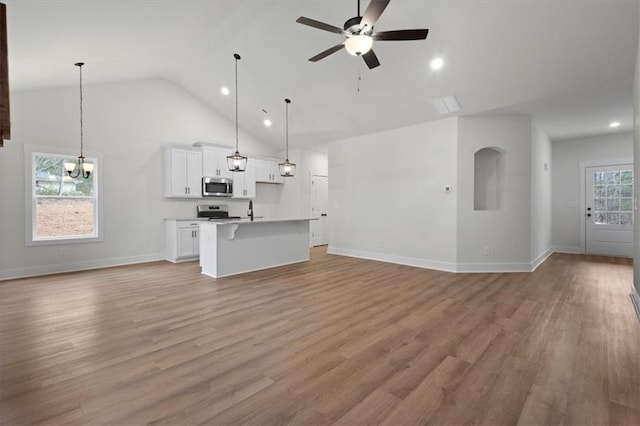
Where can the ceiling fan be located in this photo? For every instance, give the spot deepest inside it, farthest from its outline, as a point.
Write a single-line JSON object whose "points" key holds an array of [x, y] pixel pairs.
{"points": [[360, 35]]}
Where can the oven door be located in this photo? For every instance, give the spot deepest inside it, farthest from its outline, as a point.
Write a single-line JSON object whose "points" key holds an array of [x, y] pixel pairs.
{"points": [[217, 187]]}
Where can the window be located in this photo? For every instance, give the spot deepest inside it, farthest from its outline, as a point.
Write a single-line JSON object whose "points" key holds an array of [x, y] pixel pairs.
{"points": [[613, 197], [63, 209]]}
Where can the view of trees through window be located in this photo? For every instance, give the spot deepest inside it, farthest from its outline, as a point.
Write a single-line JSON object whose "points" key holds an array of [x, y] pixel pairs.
{"points": [[63, 206]]}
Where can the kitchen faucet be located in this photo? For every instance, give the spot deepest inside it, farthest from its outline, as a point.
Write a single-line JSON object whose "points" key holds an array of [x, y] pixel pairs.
{"points": [[250, 211]]}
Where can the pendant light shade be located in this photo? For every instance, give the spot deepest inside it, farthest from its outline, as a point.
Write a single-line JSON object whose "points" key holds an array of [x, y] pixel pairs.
{"points": [[235, 161], [287, 169], [79, 168]]}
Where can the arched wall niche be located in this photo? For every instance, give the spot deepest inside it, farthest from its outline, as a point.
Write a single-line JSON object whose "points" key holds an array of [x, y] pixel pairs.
{"points": [[487, 183]]}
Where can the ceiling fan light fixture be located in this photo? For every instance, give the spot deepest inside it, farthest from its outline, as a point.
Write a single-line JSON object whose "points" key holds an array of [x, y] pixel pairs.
{"points": [[358, 44]]}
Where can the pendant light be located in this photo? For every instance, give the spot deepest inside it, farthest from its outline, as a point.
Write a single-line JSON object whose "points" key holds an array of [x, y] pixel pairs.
{"points": [[237, 162], [287, 169], [81, 168]]}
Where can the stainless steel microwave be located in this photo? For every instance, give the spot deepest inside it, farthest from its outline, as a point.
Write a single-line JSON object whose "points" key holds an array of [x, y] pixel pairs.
{"points": [[217, 187]]}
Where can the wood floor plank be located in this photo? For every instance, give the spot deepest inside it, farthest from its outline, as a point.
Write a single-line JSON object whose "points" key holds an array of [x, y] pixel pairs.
{"points": [[334, 340]]}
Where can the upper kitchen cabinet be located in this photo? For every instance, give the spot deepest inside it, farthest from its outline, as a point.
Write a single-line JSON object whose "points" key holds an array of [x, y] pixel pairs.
{"points": [[214, 161], [183, 172], [244, 183], [267, 171]]}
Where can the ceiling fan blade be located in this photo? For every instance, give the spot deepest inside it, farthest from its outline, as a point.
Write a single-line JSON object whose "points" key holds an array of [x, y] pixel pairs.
{"points": [[320, 25], [327, 52], [373, 12], [371, 59], [418, 34]]}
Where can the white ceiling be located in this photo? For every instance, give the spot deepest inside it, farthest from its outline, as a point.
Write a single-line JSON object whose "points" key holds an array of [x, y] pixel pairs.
{"points": [[568, 63]]}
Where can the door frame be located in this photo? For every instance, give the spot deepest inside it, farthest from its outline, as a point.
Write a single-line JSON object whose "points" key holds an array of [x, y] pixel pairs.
{"points": [[583, 191]]}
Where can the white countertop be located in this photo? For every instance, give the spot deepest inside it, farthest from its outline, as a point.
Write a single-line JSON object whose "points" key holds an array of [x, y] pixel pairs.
{"points": [[257, 220]]}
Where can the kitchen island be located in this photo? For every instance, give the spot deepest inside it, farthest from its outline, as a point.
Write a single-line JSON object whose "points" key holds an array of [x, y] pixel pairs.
{"points": [[230, 247]]}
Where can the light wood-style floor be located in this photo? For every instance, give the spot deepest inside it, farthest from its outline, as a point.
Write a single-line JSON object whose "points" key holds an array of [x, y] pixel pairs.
{"points": [[332, 341]]}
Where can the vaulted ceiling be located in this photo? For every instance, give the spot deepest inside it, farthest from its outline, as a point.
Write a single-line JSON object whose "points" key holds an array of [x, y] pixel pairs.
{"points": [[568, 63]]}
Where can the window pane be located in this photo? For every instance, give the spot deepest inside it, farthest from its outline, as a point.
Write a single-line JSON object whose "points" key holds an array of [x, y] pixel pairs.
{"points": [[600, 204], [601, 217], [52, 179], [598, 178], [626, 191], [626, 176], [626, 218], [613, 204], [59, 216], [613, 191], [626, 204], [612, 177], [600, 191], [613, 218], [64, 207]]}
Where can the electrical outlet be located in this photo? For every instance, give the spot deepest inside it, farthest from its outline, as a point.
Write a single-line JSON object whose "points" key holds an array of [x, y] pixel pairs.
{"points": [[486, 251]]}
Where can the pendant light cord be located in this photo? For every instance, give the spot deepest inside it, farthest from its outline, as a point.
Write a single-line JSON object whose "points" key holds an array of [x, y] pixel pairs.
{"points": [[81, 118], [235, 55], [287, 126]]}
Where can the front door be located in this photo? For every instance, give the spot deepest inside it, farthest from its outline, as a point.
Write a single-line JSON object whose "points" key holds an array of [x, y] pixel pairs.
{"points": [[319, 207], [609, 210]]}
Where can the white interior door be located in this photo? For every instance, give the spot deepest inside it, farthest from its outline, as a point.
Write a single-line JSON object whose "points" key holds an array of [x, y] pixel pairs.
{"points": [[319, 207], [609, 210]]}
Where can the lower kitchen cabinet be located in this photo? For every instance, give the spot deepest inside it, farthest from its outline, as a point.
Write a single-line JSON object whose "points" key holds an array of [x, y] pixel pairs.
{"points": [[182, 240]]}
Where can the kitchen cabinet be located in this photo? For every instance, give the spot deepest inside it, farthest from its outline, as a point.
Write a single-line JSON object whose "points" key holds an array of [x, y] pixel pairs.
{"points": [[214, 161], [183, 172], [268, 171], [182, 240], [244, 183]]}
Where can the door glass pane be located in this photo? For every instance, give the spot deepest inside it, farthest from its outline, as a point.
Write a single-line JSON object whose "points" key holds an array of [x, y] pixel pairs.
{"points": [[626, 218], [613, 218], [600, 191], [612, 177], [613, 197]]}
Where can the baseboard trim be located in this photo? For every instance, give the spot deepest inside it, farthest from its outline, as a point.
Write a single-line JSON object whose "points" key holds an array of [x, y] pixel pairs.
{"points": [[34, 271], [540, 259], [493, 268], [444, 266], [635, 299], [401, 260], [566, 249]]}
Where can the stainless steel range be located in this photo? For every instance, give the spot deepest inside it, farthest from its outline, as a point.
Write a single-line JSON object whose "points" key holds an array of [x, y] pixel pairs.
{"points": [[215, 212]]}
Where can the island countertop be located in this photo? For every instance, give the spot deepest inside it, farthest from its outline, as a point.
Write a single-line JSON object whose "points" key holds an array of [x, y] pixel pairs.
{"points": [[256, 220]]}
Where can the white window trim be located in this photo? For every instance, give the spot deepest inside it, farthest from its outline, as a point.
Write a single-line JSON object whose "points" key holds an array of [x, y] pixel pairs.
{"points": [[29, 184]]}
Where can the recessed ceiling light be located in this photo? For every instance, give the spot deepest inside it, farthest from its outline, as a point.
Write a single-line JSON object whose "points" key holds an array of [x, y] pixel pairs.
{"points": [[224, 90], [267, 122], [437, 64], [614, 124]]}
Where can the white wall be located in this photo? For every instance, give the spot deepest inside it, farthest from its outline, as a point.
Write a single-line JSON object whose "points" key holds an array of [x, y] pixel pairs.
{"points": [[566, 158], [129, 123], [506, 232], [540, 194], [295, 200], [387, 199]]}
